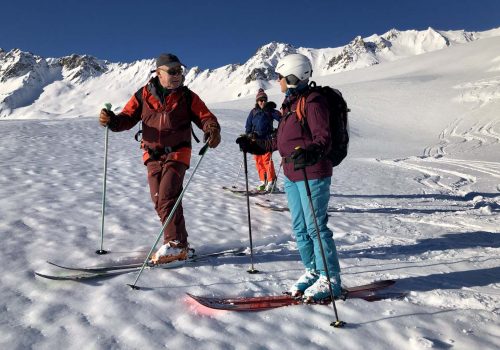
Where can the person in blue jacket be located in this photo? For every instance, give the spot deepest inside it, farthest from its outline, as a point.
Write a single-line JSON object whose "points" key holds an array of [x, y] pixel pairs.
{"points": [[259, 126]]}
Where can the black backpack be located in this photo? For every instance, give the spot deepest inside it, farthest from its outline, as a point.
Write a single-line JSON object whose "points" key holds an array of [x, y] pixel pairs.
{"points": [[339, 127]]}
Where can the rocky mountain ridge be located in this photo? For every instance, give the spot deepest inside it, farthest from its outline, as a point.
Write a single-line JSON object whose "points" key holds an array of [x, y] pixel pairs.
{"points": [[28, 81]]}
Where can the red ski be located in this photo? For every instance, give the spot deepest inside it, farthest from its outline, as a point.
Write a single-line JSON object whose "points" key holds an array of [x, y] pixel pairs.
{"points": [[369, 292]]}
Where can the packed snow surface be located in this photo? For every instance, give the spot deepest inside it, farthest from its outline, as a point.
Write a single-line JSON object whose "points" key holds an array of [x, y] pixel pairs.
{"points": [[416, 200]]}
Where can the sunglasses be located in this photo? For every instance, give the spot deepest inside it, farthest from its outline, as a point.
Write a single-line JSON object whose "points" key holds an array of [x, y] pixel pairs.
{"points": [[262, 100], [172, 71]]}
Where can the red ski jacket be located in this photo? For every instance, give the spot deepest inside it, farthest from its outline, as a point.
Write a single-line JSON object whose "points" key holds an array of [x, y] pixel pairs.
{"points": [[166, 119]]}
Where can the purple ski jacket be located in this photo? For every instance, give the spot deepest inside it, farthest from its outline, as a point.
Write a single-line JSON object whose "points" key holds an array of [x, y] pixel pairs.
{"points": [[292, 134]]}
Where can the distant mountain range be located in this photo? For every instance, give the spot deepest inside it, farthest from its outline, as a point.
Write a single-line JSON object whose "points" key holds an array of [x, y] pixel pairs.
{"points": [[32, 86]]}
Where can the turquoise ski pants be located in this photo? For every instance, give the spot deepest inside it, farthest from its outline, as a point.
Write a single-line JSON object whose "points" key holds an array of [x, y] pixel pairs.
{"points": [[304, 228]]}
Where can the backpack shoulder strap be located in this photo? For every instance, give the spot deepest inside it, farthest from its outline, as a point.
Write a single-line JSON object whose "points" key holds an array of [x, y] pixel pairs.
{"points": [[138, 97], [301, 109], [301, 105], [188, 96]]}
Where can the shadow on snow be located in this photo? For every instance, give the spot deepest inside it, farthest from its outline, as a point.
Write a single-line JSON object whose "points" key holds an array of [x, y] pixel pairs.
{"points": [[448, 241]]}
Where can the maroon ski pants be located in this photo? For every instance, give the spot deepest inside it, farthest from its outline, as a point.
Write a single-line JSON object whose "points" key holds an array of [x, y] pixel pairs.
{"points": [[165, 184]]}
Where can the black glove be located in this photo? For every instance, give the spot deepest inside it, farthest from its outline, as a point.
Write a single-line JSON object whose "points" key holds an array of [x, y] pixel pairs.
{"points": [[250, 145], [269, 106], [305, 157], [244, 141]]}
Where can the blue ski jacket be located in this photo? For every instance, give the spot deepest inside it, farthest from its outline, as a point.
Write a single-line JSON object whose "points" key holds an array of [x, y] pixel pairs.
{"points": [[260, 122]]}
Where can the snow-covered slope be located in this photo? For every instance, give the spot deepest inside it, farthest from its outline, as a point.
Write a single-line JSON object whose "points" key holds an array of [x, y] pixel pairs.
{"points": [[34, 87]]}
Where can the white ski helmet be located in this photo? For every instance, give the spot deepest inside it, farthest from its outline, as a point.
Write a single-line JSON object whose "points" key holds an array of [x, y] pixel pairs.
{"points": [[296, 65]]}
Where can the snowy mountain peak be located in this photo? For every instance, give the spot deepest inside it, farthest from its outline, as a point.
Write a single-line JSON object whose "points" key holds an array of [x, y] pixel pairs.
{"points": [[391, 34], [274, 50], [16, 63], [357, 42], [394, 45], [79, 68], [24, 76], [260, 67], [358, 50]]}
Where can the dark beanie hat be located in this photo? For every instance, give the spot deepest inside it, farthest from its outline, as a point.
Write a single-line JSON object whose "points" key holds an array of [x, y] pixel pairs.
{"points": [[168, 59], [261, 95]]}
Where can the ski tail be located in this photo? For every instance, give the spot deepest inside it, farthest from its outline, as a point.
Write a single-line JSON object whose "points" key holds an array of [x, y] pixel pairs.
{"points": [[370, 286]]}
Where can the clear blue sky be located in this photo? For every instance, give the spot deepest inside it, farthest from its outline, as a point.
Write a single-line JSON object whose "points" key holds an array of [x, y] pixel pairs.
{"points": [[213, 33]]}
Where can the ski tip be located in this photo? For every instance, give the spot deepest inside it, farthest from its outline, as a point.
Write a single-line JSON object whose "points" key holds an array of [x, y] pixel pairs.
{"points": [[49, 277], [192, 296], [51, 263], [39, 274], [196, 297], [199, 300]]}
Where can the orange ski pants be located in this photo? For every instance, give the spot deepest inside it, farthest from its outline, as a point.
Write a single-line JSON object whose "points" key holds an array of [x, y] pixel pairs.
{"points": [[265, 166]]}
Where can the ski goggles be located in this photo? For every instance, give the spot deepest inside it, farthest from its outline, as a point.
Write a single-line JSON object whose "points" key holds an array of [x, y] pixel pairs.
{"points": [[173, 71]]}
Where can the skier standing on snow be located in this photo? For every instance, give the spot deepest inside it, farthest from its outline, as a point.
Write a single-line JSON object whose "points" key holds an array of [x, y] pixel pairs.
{"points": [[314, 141], [166, 109], [259, 125]]}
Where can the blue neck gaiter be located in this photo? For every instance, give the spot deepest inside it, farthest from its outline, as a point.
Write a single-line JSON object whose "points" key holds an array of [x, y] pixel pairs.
{"points": [[297, 90]]}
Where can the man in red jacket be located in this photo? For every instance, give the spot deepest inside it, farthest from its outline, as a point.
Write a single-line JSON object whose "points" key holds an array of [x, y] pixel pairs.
{"points": [[166, 109]]}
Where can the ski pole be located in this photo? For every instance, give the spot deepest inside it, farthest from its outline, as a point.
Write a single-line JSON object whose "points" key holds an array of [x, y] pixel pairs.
{"points": [[337, 323], [274, 184], [101, 251], [237, 177], [170, 216], [252, 269]]}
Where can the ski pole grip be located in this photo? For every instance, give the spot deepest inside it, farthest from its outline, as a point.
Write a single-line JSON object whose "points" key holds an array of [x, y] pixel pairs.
{"points": [[107, 106], [203, 150]]}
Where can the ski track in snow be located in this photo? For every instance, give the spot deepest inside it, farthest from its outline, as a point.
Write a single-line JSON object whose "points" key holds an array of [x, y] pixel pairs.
{"points": [[471, 131]]}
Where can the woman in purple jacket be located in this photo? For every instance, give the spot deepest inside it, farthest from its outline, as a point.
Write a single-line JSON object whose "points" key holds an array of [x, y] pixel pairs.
{"points": [[303, 147]]}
